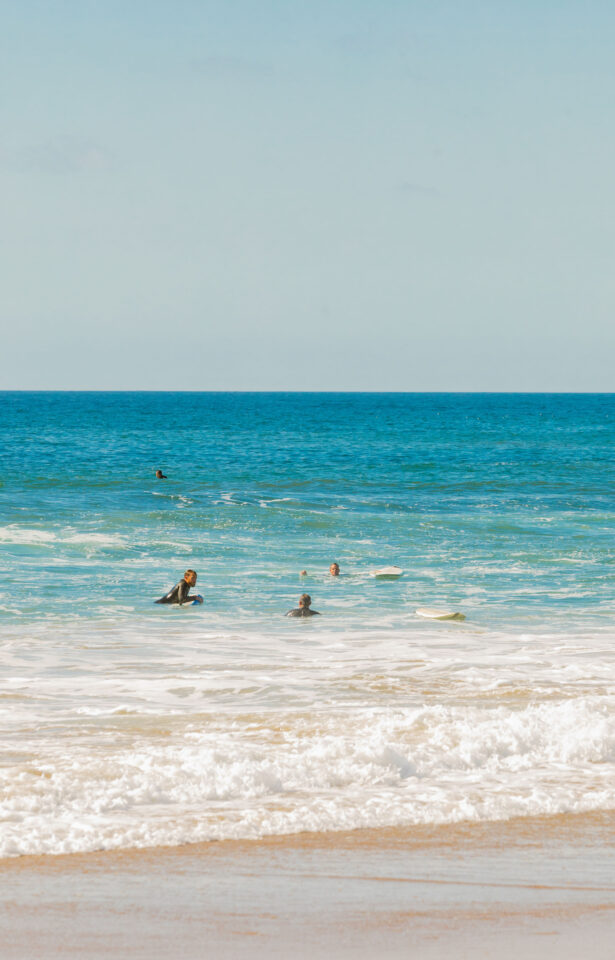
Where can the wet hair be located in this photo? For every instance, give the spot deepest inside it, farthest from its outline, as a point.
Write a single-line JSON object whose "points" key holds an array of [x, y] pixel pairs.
{"points": [[305, 599], [189, 573]]}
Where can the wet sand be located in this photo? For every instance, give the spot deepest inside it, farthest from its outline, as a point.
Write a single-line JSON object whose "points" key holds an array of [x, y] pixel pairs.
{"points": [[537, 887]]}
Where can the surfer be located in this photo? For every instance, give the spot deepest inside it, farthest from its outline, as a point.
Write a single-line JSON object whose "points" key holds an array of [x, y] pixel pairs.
{"points": [[334, 569], [303, 610], [180, 593], [160, 475]]}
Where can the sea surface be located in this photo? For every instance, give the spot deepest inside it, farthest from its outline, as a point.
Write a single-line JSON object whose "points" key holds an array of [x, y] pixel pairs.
{"points": [[128, 724]]}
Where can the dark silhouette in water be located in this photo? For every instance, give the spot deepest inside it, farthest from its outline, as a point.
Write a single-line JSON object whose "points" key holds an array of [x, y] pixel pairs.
{"points": [[180, 593], [303, 610]]}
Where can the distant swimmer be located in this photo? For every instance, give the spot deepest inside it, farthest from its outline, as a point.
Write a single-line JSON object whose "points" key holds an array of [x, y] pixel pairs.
{"points": [[181, 591], [334, 569], [303, 610], [303, 573], [160, 475]]}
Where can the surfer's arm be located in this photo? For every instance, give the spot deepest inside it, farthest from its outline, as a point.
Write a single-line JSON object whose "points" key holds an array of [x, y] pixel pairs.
{"points": [[183, 595]]}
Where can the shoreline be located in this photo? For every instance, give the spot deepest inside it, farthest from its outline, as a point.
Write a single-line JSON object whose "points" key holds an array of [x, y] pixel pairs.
{"points": [[541, 885], [589, 825]]}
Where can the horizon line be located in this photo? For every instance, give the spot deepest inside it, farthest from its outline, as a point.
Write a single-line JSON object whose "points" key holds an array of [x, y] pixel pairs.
{"points": [[314, 391]]}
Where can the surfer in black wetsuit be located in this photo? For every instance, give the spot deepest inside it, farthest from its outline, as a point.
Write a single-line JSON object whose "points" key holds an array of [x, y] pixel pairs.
{"points": [[181, 591], [303, 610]]}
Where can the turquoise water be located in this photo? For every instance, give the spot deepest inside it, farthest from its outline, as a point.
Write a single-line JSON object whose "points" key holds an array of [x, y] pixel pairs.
{"points": [[499, 504], [127, 723]]}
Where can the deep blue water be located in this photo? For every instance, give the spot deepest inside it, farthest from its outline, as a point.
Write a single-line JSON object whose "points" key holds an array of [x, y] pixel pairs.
{"points": [[500, 505]]}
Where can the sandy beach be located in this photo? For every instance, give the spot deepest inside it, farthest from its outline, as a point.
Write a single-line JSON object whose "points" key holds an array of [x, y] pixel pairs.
{"points": [[543, 886]]}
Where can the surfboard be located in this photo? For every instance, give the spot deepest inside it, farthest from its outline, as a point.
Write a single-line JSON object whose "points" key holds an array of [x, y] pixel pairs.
{"points": [[387, 573], [440, 614]]}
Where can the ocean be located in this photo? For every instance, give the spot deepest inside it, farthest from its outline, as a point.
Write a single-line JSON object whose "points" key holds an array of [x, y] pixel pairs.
{"points": [[129, 724]]}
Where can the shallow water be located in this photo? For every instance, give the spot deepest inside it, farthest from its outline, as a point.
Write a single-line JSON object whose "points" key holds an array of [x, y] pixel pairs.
{"points": [[130, 724]]}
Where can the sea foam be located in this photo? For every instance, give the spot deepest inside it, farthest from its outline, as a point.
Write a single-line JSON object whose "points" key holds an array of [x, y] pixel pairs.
{"points": [[321, 771]]}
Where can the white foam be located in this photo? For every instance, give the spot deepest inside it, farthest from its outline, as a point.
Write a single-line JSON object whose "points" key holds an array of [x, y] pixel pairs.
{"points": [[14, 533], [96, 539], [324, 770], [168, 727], [17, 534]]}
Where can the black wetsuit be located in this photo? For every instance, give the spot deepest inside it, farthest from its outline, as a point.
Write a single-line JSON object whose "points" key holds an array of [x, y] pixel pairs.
{"points": [[179, 594], [303, 612]]}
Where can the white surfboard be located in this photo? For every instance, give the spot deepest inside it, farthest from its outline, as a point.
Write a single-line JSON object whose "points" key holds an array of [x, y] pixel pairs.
{"points": [[430, 614], [387, 572]]}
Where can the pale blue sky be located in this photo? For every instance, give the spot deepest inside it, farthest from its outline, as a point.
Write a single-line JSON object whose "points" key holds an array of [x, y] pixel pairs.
{"points": [[329, 195]]}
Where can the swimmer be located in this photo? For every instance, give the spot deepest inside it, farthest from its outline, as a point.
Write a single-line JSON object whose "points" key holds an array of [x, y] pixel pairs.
{"points": [[181, 591], [160, 475], [334, 569], [303, 573], [303, 610]]}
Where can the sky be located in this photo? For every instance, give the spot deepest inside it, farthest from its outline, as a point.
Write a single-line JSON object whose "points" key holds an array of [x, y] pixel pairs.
{"points": [[337, 195]]}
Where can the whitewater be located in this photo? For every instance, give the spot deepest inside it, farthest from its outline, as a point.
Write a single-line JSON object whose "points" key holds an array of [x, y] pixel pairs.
{"points": [[125, 724]]}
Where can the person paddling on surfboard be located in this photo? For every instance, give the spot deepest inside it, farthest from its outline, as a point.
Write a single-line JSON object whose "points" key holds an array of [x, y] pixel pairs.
{"points": [[303, 610], [180, 593]]}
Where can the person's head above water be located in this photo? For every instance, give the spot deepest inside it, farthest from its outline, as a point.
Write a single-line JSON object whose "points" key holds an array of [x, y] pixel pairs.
{"points": [[334, 569], [160, 475], [180, 593], [304, 608]]}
